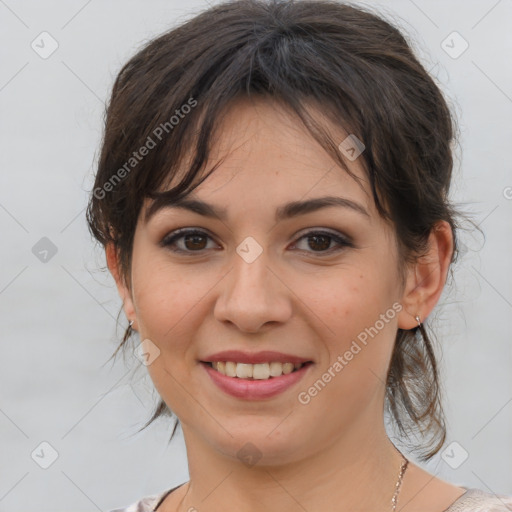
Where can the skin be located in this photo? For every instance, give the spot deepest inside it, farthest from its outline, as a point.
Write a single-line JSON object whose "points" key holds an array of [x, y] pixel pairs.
{"points": [[296, 297]]}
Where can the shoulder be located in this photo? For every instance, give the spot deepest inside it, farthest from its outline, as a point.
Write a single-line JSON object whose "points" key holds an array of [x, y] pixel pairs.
{"points": [[145, 504], [476, 500]]}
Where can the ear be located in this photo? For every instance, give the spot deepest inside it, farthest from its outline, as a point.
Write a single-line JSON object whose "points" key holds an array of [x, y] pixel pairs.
{"points": [[124, 291], [426, 278]]}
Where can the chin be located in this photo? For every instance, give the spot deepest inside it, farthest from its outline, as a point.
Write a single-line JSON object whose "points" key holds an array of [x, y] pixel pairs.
{"points": [[254, 446]]}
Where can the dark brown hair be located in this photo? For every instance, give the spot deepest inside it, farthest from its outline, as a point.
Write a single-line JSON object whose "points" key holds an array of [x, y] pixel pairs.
{"points": [[354, 67]]}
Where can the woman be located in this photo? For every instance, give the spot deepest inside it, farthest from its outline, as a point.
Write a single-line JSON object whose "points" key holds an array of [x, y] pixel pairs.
{"points": [[272, 196]]}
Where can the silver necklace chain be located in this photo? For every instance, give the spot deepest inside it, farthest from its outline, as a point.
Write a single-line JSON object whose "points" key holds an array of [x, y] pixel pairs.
{"points": [[399, 483]]}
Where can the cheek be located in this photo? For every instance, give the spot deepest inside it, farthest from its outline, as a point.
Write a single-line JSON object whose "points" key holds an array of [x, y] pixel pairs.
{"points": [[357, 323], [349, 302], [358, 346], [169, 309], [165, 298]]}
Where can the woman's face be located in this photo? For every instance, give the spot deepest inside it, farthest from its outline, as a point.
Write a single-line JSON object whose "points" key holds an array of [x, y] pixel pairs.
{"points": [[260, 280]]}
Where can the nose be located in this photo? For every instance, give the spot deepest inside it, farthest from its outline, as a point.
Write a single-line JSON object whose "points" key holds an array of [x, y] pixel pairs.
{"points": [[252, 295]]}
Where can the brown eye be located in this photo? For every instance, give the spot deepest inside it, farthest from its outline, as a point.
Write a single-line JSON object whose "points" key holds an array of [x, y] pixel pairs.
{"points": [[320, 242], [192, 240]]}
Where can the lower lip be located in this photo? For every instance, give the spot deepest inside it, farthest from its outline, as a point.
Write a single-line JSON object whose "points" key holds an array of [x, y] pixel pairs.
{"points": [[255, 389]]}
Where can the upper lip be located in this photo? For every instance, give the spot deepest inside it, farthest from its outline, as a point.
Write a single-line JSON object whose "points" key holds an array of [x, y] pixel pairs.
{"points": [[266, 356]]}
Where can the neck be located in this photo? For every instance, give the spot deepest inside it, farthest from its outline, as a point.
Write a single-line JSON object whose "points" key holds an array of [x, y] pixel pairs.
{"points": [[357, 470]]}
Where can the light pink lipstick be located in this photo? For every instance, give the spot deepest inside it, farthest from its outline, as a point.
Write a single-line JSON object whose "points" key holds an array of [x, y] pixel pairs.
{"points": [[255, 389]]}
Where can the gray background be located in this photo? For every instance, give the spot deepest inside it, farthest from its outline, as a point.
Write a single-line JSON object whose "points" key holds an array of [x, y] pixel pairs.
{"points": [[58, 317]]}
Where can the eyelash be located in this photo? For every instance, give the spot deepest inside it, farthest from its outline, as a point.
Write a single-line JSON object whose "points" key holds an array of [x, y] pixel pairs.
{"points": [[171, 238]]}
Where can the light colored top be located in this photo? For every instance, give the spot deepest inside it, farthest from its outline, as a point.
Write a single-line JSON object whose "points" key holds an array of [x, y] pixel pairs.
{"points": [[473, 500]]}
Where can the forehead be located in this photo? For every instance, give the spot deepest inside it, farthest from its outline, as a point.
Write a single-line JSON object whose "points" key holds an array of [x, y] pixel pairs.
{"points": [[267, 134], [265, 157]]}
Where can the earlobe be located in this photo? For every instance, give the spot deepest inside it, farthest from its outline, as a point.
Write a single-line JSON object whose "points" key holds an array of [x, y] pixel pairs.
{"points": [[426, 278], [112, 258]]}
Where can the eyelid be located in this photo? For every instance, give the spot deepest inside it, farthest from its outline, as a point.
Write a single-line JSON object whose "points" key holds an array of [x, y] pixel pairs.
{"points": [[341, 239], [180, 232], [323, 231]]}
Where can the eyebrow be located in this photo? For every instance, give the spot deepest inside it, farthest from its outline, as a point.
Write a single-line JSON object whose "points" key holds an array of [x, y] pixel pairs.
{"points": [[287, 211]]}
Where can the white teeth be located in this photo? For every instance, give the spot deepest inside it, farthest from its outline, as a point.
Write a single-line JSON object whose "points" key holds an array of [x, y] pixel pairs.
{"points": [[243, 371], [288, 368], [230, 369], [261, 371], [275, 369]]}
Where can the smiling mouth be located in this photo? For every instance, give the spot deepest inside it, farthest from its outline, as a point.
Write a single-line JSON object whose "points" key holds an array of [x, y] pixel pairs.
{"points": [[261, 371]]}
